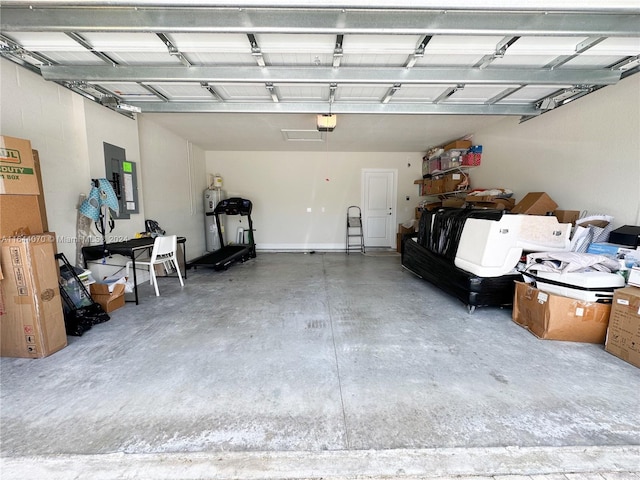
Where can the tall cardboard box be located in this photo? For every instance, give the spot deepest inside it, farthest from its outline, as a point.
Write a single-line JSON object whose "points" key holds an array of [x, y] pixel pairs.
{"points": [[31, 316], [623, 334], [22, 207], [17, 168], [20, 215], [554, 317]]}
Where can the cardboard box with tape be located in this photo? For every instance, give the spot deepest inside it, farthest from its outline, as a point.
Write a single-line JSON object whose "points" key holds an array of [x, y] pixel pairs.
{"points": [[554, 317], [31, 316], [110, 299], [23, 214]]}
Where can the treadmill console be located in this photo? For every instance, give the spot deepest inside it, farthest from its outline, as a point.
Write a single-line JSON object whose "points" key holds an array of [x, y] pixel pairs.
{"points": [[234, 206]]}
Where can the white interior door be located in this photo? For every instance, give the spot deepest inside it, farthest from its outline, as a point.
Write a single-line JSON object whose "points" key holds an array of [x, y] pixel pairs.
{"points": [[379, 207]]}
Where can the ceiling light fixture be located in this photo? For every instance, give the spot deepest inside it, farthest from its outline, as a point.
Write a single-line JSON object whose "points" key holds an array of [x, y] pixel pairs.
{"points": [[326, 122]]}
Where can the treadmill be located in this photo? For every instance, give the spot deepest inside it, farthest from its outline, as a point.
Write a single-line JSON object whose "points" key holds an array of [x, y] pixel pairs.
{"points": [[227, 255]]}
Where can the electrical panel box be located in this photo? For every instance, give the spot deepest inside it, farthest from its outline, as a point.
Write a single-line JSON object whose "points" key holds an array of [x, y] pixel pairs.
{"points": [[122, 175]]}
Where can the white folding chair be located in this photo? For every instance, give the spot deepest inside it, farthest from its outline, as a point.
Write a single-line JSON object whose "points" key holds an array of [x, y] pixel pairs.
{"points": [[163, 253]]}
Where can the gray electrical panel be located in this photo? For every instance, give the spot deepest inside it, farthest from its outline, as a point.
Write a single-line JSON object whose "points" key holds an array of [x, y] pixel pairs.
{"points": [[122, 175]]}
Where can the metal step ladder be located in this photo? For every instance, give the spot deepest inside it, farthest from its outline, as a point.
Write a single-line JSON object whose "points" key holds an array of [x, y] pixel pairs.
{"points": [[354, 230]]}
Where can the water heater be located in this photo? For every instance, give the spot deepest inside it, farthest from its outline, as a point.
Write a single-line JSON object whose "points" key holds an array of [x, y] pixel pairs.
{"points": [[212, 197]]}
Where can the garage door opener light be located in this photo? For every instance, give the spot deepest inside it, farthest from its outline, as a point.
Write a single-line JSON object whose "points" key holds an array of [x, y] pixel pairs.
{"points": [[326, 122]]}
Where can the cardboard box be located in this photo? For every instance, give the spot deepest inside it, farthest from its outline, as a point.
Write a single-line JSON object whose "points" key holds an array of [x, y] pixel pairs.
{"points": [[31, 316], [20, 215], [434, 186], [497, 204], [438, 185], [451, 182], [491, 201], [458, 145], [432, 206], [554, 317], [623, 334], [480, 198], [24, 214], [567, 216], [402, 230], [17, 169], [453, 202], [535, 203], [109, 301]]}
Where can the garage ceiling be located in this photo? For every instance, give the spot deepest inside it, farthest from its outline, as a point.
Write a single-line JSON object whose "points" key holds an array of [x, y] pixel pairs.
{"points": [[302, 59]]}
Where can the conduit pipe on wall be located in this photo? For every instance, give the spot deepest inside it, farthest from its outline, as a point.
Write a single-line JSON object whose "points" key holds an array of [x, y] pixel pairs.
{"points": [[192, 209]]}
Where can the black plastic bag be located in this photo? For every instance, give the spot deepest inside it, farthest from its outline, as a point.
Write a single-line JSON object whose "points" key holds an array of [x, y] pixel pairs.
{"points": [[79, 320]]}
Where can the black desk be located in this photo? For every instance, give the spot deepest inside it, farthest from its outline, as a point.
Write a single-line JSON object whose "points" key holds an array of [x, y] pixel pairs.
{"points": [[127, 249]]}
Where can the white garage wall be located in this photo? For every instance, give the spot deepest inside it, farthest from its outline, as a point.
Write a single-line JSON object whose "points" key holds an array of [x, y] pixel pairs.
{"points": [[585, 155], [173, 183], [68, 132], [283, 185]]}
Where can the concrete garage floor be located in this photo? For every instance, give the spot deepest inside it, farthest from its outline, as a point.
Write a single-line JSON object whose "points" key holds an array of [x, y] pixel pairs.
{"points": [[316, 366]]}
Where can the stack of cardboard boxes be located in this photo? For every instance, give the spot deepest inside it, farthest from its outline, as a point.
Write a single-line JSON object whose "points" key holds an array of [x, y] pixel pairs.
{"points": [[31, 316], [556, 317]]}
